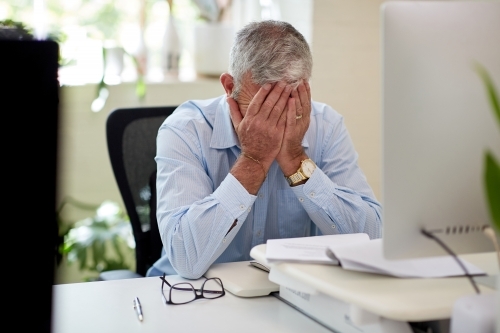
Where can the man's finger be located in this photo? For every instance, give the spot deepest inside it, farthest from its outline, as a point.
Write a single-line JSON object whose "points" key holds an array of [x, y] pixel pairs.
{"points": [[234, 111], [282, 121], [280, 105], [304, 97], [308, 89], [258, 99], [291, 115], [264, 103], [298, 106]]}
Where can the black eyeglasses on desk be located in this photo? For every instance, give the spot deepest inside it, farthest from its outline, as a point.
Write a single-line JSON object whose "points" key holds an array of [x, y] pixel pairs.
{"points": [[184, 292]]}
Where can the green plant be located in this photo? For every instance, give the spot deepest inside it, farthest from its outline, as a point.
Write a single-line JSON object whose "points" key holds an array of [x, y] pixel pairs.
{"points": [[10, 29], [491, 165], [20, 30], [211, 10], [99, 243], [102, 91]]}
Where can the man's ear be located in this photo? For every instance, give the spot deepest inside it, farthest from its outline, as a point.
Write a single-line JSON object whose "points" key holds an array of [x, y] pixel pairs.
{"points": [[227, 82]]}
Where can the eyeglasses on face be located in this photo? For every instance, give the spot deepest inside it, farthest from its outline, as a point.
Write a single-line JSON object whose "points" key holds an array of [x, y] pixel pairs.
{"points": [[184, 292]]}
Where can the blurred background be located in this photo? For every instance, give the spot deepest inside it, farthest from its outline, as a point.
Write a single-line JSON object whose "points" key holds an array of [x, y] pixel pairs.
{"points": [[156, 52]]}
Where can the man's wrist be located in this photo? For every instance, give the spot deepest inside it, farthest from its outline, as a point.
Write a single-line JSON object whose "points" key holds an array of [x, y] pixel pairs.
{"points": [[303, 173], [249, 173], [291, 165]]}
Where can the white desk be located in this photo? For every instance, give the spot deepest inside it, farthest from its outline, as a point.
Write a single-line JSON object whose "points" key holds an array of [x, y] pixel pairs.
{"points": [[389, 297], [106, 306]]}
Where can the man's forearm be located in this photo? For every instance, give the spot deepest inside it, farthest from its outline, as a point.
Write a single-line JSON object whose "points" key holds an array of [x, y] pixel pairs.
{"points": [[291, 164], [195, 235]]}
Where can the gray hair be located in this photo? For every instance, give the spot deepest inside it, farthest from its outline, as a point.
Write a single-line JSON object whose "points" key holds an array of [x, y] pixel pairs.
{"points": [[270, 51]]}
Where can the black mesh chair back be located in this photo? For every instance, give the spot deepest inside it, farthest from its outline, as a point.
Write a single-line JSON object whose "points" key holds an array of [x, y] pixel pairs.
{"points": [[131, 137]]}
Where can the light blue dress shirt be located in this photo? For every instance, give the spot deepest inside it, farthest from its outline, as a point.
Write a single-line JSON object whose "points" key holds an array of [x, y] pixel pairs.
{"points": [[198, 199]]}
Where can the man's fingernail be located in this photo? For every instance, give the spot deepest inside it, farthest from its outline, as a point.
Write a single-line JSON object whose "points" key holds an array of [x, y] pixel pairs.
{"points": [[282, 83], [267, 86]]}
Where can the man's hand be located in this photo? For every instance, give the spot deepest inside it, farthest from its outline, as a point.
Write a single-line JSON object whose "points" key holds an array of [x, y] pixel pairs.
{"points": [[261, 130], [291, 152]]}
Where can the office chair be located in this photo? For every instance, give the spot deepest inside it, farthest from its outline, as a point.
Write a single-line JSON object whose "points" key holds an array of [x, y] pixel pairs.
{"points": [[131, 138]]}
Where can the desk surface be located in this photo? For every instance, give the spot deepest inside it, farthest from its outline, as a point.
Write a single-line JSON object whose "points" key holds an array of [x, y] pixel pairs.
{"points": [[106, 306], [390, 297]]}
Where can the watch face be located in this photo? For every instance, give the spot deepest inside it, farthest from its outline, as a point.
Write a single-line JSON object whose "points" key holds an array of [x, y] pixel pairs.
{"points": [[308, 167]]}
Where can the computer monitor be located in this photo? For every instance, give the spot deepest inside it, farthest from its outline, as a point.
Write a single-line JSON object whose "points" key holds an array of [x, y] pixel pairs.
{"points": [[29, 100], [437, 124]]}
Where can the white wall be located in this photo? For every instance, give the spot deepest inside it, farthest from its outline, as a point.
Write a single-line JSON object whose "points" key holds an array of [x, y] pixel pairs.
{"points": [[86, 173], [347, 73]]}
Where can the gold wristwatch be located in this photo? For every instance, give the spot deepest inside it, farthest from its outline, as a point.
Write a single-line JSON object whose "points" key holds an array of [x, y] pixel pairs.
{"points": [[305, 171]]}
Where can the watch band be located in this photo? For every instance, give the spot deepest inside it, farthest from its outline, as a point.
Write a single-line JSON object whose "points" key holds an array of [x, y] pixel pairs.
{"points": [[295, 178], [306, 168]]}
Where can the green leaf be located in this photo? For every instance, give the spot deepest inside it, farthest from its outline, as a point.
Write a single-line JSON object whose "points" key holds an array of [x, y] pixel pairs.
{"points": [[116, 246], [140, 88], [492, 185], [82, 258], [115, 264], [98, 252], [491, 90]]}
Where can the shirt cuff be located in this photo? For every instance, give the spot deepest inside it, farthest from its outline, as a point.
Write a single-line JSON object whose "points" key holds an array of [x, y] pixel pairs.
{"points": [[317, 193], [234, 197]]}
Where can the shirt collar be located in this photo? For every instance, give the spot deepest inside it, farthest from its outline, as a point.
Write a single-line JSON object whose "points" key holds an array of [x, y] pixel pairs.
{"points": [[224, 135]]}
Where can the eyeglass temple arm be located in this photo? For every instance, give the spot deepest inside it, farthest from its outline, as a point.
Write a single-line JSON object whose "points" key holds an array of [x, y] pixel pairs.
{"points": [[164, 280]]}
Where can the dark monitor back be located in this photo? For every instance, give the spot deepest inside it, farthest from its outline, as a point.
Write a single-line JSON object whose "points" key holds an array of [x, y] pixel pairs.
{"points": [[29, 101]]}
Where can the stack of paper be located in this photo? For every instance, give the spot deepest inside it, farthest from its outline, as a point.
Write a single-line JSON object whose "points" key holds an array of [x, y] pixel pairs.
{"points": [[368, 257], [357, 252], [309, 249]]}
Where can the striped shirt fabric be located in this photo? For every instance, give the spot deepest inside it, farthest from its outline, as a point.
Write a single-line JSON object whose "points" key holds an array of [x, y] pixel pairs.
{"points": [[199, 199]]}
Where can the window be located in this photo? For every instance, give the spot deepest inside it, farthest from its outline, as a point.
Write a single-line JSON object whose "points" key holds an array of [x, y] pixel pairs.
{"points": [[131, 32]]}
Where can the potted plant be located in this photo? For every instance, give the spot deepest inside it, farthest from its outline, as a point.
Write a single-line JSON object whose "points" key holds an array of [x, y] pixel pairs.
{"points": [[472, 308], [213, 38], [100, 242], [491, 164], [491, 175]]}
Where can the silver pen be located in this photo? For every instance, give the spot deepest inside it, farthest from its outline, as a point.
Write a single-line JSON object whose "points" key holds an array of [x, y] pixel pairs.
{"points": [[138, 308]]}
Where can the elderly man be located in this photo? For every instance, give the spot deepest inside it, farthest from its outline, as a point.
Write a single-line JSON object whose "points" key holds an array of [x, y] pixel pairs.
{"points": [[262, 161]]}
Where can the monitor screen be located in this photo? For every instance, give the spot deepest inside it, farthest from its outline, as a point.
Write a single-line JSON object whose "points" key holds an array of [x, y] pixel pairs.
{"points": [[437, 124]]}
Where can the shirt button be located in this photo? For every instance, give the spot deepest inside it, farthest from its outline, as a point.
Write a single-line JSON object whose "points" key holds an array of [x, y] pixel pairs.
{"points": [[261, 195], [224, 240], [258, 233], [242, 207], [301, 199], [312, 194], [333, 226], [249, 209]]}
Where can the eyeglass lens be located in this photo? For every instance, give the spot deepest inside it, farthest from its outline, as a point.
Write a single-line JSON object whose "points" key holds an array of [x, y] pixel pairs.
{"points": [[212, 288], [182, 293]]}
